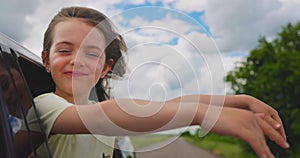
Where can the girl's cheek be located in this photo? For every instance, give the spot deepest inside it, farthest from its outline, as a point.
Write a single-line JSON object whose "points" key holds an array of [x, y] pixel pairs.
{"points": [[97, 64], [56, 64]]}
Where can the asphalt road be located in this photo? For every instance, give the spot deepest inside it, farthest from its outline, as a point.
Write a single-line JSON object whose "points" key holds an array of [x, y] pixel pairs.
{"points": [[177, 148]]}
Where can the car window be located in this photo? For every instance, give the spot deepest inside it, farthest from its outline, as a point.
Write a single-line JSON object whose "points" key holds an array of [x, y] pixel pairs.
{"points": [[15, 103], [6, 138], [36, 76]]}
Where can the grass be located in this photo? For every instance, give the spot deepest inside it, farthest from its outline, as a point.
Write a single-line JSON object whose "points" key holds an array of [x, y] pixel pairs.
{"points": [[226, 147], [145, 140]]}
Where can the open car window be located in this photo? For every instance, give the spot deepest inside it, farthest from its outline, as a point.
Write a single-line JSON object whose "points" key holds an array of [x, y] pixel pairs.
{"points": [[21, 75]]}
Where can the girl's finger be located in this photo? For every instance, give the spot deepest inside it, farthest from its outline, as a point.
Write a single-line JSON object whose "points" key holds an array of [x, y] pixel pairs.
{"points": [[256, 140], [276, 117], [267, 149], [273, 122], [272, 133]]}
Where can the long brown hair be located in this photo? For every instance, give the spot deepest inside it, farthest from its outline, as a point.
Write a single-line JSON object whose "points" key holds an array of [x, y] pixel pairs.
{"points": [[115, 43]]}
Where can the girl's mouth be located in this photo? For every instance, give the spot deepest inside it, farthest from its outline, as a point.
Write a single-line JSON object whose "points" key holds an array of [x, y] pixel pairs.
{"points": [[75, 74]]}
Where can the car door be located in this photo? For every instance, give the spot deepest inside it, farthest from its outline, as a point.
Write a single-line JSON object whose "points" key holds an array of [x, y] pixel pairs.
{"points": [[16, 137]]}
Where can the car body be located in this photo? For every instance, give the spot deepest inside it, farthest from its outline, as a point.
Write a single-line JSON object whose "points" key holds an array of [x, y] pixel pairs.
{"points": [[23, 77]]}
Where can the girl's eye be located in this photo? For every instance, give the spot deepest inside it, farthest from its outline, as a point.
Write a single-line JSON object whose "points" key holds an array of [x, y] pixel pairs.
{"points": [[93, 54], [64, 51]]}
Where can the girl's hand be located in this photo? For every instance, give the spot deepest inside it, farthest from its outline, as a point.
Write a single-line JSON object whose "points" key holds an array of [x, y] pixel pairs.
{"points": [[269, 114], [271, 132], [247, 126]]}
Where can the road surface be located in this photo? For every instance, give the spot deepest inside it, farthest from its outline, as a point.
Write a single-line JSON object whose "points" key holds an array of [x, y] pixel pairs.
{"points": [[177, 148]]}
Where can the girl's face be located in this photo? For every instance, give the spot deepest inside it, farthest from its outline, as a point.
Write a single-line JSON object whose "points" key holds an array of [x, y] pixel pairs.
{"points": [[76, 58]]}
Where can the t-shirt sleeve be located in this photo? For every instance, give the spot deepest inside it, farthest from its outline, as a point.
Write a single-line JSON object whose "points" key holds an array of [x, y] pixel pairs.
{"points": [[48, 106]]}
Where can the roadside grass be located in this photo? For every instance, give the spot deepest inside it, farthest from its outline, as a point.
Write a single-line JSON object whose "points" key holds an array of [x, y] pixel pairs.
{"points": [[224, 146], [145, 140]]}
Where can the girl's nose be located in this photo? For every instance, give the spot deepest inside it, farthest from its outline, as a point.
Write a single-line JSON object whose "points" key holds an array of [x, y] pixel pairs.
{"points": [[77, 60]]}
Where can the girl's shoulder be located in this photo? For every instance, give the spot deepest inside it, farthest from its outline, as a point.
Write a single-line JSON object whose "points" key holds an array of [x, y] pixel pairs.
{"points": [[46, 96], [51, 99]]}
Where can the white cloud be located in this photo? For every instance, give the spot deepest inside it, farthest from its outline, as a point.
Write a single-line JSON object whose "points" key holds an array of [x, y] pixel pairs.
{"points": [[238, 24], [152, 71], [162, 71], [12, 20], [190, 6], [136, 2], [172, 26]]}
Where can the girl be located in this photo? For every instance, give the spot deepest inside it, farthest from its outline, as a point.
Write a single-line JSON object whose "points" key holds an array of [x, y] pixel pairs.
{"points": [[80, 50]]}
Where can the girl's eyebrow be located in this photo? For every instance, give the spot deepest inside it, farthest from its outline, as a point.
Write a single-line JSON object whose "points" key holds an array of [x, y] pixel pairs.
{"points": [[63, 42], [85, 46]]}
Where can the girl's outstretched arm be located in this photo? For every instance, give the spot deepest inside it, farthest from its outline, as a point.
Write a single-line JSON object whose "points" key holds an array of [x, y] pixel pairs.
{"points": [[133, 117], [240, 101], [127, 117]]}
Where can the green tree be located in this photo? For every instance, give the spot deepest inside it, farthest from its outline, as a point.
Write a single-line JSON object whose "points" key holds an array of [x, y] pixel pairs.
{"points": [[271, 73]]}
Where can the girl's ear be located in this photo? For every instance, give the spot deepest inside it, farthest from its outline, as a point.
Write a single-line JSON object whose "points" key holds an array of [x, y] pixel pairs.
{"points": [[107, 67], [45, 57]]}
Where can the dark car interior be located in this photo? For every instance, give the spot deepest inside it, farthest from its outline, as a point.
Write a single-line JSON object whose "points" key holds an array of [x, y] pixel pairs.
{"points": [[22, 77]]}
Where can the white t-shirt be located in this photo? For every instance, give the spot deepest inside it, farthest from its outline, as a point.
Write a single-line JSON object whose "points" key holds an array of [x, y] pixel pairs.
{"points": [[49, 106]]}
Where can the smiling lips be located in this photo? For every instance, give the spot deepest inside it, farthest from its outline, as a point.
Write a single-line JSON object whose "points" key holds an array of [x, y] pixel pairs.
{"points": [[75, 73]]}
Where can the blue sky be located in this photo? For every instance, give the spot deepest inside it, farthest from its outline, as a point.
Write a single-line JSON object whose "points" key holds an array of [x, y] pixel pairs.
{"points": [[196, 15]]}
